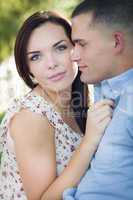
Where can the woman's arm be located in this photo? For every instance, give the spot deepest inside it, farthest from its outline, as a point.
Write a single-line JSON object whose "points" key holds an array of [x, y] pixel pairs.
{"points": [[35, 152]]}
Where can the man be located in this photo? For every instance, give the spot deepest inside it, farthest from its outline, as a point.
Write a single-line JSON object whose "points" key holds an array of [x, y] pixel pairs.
{"points": [[102, 31]]}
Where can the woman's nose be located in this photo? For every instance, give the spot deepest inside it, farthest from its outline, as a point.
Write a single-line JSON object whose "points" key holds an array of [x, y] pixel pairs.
{"points": [[50, 62]]}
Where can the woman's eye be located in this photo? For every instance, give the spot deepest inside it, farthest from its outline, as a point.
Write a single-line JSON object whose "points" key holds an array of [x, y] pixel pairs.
{"points": [[61, 47], [35, 57]]}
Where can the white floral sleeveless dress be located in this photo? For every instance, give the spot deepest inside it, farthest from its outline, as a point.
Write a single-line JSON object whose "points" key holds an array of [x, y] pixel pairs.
{"points": [[66, 141]]}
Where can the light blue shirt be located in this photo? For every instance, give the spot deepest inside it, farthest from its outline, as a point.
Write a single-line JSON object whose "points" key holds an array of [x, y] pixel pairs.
{"points": [[110, 176]]}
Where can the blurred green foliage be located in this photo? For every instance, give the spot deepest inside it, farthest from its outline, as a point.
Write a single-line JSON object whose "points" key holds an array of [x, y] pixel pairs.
{"points": [[13, 12], [1, 116]]}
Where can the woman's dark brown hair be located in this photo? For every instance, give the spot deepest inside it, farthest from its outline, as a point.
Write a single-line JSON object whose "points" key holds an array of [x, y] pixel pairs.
{"points": [[79, 90]]}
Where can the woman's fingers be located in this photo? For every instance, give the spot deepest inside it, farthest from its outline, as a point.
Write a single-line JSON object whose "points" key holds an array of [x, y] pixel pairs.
{"points": [[98, 119], [101, 103], [100, 113]]}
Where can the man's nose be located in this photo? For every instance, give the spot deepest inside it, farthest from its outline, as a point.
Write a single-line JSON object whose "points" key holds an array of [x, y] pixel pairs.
{"points": [[75, 54]]}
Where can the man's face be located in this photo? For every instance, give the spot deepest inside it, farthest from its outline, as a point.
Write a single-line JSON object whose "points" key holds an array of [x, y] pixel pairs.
{"points": [[93, 49]]}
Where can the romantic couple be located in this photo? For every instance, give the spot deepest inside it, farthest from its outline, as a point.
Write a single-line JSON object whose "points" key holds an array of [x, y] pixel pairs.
{"points": [[54, 144]]}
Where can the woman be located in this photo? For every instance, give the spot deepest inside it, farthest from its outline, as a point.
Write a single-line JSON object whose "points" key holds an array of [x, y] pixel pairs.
{"points": [[39, 131]]}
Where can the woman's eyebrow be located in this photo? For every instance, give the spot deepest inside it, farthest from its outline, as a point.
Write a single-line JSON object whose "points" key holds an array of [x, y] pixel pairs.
{"points": [[57, 43], [32, 52]]}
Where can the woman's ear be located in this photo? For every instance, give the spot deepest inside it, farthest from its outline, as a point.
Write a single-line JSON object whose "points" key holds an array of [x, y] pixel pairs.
{"points": [[119, 42]]}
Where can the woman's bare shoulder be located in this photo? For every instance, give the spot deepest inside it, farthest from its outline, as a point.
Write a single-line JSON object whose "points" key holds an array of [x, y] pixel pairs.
{"points": [[28, 121]]}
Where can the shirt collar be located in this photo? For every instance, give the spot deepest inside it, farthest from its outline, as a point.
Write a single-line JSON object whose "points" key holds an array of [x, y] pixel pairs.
{"points": [[112, 88], [120, 82]]}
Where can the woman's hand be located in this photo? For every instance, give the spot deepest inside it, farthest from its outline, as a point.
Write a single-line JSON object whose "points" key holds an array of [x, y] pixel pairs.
{"points": [[98, 118]]}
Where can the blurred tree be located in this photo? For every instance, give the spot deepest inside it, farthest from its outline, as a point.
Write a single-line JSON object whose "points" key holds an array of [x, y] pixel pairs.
{"points": [[1, 116], [13, 12]]}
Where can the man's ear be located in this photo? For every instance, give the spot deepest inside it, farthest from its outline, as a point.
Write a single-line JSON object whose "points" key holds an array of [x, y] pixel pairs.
{"points": [[119, 42]]}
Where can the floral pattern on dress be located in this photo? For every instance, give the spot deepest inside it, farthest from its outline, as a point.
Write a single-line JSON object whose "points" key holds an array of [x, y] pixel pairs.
{"points": [[66, 141]]}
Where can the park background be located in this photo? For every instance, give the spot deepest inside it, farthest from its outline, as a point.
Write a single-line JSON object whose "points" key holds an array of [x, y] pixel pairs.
{"points": [[12, 14]]}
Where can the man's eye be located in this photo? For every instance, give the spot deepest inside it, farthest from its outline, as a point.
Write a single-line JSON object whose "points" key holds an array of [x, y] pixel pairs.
{"points": [[61, 47], [35, 57], [82, 44]]}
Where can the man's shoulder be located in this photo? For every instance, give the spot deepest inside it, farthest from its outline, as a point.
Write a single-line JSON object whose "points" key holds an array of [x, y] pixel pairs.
{"points": [[126, 99]]}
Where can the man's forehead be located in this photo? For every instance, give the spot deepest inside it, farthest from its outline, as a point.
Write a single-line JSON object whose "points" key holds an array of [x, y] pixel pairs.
{"points": [[82, 20], [81, 25], [84, 28], [80, 32]]}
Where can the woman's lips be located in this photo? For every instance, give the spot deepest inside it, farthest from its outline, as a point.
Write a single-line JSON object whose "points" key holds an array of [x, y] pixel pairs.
{"points": [[57, 77]]}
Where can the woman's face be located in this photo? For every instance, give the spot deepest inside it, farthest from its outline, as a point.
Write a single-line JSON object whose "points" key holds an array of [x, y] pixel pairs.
{"points": [[49, 57]]}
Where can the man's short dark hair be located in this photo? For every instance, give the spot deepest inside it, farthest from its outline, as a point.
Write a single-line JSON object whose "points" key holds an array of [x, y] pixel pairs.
{"points": [[110, 12]]}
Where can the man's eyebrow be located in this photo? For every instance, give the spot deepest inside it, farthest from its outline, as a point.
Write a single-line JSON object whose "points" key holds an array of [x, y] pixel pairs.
{"points": [[57, 43], [75, 41]]}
